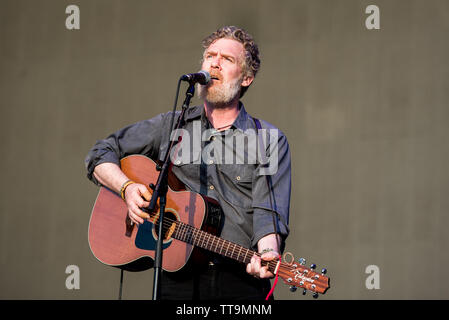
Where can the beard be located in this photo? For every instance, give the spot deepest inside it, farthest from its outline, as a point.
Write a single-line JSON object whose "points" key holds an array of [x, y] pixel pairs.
{"points": [[220, 94]]}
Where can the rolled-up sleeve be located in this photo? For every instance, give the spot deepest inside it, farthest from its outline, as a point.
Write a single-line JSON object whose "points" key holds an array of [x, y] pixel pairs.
{"points": [[143, 137], [271, 195]]}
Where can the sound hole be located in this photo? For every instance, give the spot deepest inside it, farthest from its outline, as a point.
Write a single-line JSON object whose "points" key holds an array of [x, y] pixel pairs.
{"points": [[167, 228]]}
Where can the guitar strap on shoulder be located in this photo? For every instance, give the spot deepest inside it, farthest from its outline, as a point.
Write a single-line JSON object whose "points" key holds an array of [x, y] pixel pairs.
{"points": [[274, 214]]}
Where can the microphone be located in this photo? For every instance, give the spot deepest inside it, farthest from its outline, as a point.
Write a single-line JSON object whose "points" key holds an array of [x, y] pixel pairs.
{"points": [[202, 77]]}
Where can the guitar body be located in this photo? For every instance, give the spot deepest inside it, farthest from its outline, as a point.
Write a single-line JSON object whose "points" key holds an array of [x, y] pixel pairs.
{"points": [[114, 241]]}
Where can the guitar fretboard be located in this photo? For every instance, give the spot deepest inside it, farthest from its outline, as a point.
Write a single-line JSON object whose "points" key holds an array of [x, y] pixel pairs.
{"points": [[202, 239]]}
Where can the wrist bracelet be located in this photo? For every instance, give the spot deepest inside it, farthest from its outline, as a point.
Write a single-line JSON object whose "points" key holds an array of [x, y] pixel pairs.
{"points": [[123, 188], [266, 250]]}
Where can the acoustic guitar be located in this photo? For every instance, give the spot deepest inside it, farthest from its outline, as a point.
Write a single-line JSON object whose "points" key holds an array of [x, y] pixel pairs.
{"points": [[190, 222]]}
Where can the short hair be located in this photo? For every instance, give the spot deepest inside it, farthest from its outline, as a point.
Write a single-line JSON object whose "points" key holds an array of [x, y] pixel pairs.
{"points": [[251, 65]]}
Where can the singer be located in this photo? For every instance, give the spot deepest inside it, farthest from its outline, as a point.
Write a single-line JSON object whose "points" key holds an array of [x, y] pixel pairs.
{"points": [[255, 209]]}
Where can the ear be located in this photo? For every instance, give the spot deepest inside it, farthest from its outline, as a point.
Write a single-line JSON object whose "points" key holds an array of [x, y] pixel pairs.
{"points": [[247, 81]]}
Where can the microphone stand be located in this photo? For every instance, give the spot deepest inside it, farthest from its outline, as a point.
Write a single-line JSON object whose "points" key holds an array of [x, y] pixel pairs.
{"points": [[160, 191]]}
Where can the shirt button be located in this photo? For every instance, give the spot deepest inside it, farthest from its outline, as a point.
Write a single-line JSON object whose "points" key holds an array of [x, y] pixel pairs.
{"points": [[211, 187], [211, 161], [178, 162]]}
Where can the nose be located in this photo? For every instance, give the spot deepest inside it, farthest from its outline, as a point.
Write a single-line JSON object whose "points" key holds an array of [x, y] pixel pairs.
{"points": [[215, 63]]}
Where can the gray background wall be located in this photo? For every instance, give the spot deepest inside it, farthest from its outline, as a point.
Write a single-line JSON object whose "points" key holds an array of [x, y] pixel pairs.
{"points": [[365, 112]]}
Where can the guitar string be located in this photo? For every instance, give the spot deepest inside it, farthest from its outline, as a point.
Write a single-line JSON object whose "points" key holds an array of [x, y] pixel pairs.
{"points": [[190, 237]]}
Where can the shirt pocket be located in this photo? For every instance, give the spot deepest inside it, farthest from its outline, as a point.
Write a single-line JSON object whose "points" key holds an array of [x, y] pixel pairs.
{"points": [[236, 183], [187, 157]]}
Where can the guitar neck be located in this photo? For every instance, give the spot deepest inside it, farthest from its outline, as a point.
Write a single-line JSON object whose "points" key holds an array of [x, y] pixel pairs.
{"points": [[199, 238]]}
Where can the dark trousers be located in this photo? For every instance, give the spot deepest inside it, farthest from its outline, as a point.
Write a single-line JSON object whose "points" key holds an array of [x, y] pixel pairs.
{"points": [[213, 282]]}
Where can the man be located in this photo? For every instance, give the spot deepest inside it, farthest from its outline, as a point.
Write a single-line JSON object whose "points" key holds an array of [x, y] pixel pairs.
{"points": [[248, 199]]}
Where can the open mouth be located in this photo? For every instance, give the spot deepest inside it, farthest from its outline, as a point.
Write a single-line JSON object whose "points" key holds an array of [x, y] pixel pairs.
{"points": [[214, 77]]}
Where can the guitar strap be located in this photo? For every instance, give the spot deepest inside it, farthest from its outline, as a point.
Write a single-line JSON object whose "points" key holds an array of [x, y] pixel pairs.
{"points": [[274, 214]]}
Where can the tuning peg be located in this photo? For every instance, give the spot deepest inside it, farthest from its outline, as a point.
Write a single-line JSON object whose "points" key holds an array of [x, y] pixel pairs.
{"points": [[315, 295], [313, 266], [293, 288], [304, 292], [302, 261], [323, 271]]}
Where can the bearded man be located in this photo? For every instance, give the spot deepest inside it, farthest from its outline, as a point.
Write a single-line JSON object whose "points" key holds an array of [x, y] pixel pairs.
{"points": [[231, 57]]}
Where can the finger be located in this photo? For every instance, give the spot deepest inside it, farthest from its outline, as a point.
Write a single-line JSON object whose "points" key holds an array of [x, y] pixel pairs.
{"points": [[255, 265], [250, 266], [141, 203], [144, 204], [248, 269], [264, 273], [135, 218], [137, 214], [143, 215], [136, 209], [147, 195], [143, 192]]}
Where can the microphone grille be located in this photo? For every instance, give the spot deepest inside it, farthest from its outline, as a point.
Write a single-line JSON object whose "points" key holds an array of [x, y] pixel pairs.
{"points": [[206, 77]]}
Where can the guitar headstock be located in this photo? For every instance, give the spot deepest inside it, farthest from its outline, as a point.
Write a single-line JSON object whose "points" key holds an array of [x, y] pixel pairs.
{"points": [[296, 275]]}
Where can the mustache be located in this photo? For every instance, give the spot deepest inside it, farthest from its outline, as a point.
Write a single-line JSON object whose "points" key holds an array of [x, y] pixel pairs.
{"points": [[216, 75]]}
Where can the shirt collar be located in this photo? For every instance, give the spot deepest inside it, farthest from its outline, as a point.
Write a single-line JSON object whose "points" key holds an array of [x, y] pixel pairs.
{"points": [[239, 123], [193, 112]]}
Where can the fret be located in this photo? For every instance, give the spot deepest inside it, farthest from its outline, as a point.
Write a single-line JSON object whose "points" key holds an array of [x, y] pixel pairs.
{"points": [[192, 235], [246, 252], [238, 255], [195, 236], [176, 232], [207, 239], [227, 252], [227, 247], [216, 247], [198, 237], [211, 243], [202, 238], [185, 233], [211, 237], [179, 230]]}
